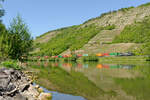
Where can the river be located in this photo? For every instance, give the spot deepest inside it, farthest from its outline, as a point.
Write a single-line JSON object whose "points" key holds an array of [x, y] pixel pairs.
{"points": [[93, 80]]}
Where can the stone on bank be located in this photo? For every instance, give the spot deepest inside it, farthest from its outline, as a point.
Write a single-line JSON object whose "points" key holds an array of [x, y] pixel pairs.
{"points": [[14, 85]]}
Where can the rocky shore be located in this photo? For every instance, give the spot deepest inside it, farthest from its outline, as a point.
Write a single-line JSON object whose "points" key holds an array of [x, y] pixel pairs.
{"points": [[15, 85]]}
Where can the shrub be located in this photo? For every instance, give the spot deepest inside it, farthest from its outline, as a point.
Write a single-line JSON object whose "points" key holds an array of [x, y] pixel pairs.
{"points": [[90, 58], [11, 64], [110, 27]]}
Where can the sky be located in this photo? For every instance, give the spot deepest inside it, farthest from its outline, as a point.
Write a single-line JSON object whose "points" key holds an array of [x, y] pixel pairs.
{"points": [[44, 15]]}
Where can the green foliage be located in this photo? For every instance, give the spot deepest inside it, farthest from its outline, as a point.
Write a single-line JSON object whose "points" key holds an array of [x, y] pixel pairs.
{"points": [[99, 17], [20, 38], [4, 41], [52, 31], [70, 59], [11, 64], [126, 9], [1, 9], [144, 49], [110, 27], [71, 38], [144, 5], [139, 32], [90, 58], [54, 59]]}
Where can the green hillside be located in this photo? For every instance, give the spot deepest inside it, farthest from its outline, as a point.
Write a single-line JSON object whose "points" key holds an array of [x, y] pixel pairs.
{"points": [[139, 32], [100, 34]]}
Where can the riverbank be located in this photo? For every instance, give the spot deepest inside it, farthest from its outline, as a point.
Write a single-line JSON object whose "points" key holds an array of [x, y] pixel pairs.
{"points": [[15, 85], [95, 58]]}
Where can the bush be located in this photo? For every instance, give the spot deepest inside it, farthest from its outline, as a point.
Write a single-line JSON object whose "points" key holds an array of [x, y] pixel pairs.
{"points": [[110, 27], [90, 58], [125, 9], [70, 59], [11, 64]]}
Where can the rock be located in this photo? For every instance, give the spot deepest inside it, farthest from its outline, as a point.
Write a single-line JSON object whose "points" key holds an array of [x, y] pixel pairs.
{"points": [[10, 87], [28, 95], [1, 98], [37, 86], [20, 97], [10, 71], [14, 85], [45, 96], [33, 91], [24, 87], [40, 90]]}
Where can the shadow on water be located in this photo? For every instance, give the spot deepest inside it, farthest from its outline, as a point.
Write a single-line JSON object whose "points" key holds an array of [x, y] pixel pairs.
{"points": [[93, 80]]}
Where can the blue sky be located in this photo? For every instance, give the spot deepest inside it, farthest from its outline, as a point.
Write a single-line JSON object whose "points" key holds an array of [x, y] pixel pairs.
{"points": [[45, 15]]}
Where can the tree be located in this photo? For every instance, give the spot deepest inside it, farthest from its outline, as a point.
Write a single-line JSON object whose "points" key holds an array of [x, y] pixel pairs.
{"points": [[20, 38], [4, 38], [1, 9]]}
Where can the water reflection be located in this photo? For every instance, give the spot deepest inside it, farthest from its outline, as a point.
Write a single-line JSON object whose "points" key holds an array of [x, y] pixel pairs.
{"points": [[69, 65], [92, 79]]}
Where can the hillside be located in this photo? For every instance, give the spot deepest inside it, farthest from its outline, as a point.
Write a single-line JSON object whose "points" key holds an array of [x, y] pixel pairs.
{"points": [[95, 35]]}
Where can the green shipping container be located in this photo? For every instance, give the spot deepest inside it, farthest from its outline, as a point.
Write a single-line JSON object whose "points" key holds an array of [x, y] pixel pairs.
{"points": [[85, 54], [118, 54], [114, 54], [114, 66], [60, 56]]}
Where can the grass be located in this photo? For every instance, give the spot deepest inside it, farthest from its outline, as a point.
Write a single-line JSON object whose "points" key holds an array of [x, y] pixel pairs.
{"points": [[11, 64], [144, 5], [123, 59]]}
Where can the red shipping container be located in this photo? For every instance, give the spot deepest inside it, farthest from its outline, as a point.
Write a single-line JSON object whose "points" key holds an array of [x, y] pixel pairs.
{"points": [[105, 66], [105, 54], [79, 55], [56, 56], [46, 57]]}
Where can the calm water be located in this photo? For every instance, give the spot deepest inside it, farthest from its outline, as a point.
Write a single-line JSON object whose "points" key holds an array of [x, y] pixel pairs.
{"points": [[94, 81], [61, 96]]}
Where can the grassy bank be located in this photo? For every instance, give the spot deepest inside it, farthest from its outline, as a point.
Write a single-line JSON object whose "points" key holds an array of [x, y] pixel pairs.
{"points": [[11, 64], [96, 59], [124, 59]]}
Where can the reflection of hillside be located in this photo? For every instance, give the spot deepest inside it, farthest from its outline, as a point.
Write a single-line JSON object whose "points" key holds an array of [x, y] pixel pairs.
{"points": [[67, 77], [57, 79], [68, 66]]}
